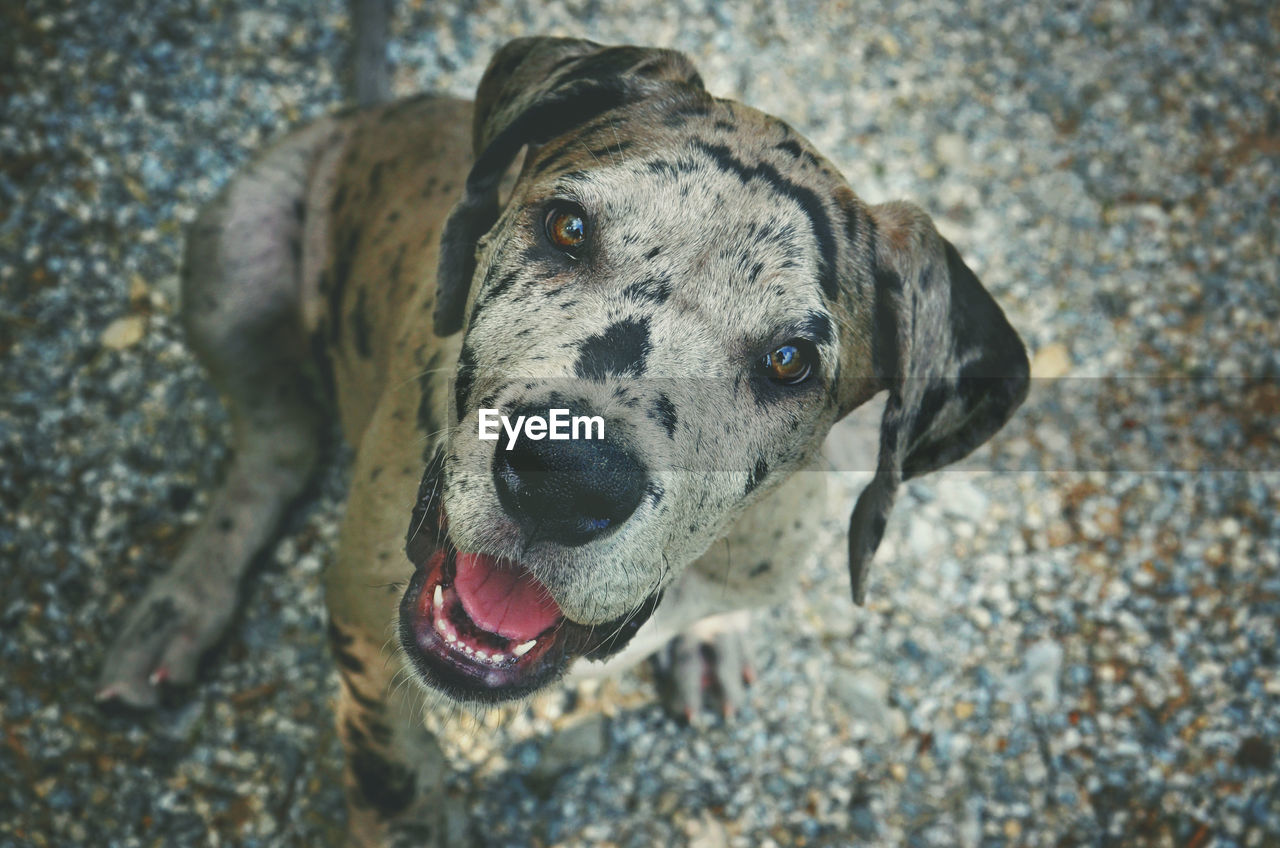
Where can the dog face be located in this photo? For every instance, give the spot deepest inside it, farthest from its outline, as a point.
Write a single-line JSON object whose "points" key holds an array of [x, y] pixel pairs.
{"points": [[693, 275]]}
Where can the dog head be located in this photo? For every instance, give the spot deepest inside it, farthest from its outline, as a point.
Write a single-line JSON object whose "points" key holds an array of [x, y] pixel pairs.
{"points": [[693, 275]]}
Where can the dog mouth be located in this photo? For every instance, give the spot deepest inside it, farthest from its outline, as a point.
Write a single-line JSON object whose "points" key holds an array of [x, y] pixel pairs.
{"points": [[483, 628]]}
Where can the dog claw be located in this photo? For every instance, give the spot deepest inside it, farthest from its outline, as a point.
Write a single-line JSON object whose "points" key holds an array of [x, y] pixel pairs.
{"points": [[159, 648]]}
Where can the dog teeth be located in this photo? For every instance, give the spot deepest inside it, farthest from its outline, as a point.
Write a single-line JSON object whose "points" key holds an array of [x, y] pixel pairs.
{"points": [[439, 598], [445, 630], [482, 655], [497, 658], [522, 649]]}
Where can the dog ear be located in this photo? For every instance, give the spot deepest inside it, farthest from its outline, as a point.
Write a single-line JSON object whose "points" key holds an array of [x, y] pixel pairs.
{"points": [[534, 90], [954, 368]]}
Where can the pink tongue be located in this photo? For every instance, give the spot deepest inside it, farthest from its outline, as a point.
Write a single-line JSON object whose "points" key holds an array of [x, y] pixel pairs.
{"points": [[503, 598]]}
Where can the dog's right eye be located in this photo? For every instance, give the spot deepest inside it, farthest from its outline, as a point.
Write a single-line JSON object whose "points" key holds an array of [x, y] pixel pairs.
{"points": [[790, 363], [566, 227]]}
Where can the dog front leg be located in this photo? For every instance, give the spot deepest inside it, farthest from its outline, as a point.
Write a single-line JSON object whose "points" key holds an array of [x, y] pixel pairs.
{"points": [[394, 774]]}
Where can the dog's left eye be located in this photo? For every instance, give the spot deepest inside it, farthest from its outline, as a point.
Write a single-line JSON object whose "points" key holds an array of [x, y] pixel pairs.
{"points": [[789, 363], [566, 227]]}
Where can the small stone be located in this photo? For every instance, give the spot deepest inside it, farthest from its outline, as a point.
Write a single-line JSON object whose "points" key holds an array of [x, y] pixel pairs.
{"points": [[706, 832], [1059, 533], [951, 149], [124, 332], [1050, 362], [138, 291]]}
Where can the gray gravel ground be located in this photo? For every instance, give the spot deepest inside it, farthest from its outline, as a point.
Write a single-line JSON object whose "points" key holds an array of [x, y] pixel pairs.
{"points": [[1070, 641]]}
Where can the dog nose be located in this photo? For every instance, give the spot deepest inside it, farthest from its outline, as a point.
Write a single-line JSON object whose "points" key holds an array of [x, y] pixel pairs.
{"points": [[569, 491]]}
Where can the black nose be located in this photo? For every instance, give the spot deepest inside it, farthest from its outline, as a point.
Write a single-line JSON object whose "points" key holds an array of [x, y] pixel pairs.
{"points": [[569, 491]]}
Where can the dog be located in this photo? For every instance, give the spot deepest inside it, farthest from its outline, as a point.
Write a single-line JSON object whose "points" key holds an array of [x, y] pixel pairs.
{"points": [[597, 235]]}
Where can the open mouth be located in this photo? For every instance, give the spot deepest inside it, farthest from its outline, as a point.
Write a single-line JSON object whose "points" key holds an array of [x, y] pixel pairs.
{"points": [[483, 628]]}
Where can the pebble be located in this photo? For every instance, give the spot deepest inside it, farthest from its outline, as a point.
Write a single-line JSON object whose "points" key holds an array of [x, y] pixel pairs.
{"points": [[124, 332]]}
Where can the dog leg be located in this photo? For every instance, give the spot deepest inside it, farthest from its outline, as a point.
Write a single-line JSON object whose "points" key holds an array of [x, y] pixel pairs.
{"points": [[704, 666], [240, 307], [394, 773]]}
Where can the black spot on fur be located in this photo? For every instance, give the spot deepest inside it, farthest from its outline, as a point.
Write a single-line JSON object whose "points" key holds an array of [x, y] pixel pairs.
{"points": [[378, 731], [664, 412], [360, 326], [385, 786], [339, 641], [621, 350], [884, 332], [652, 289], [671, 167], [365, 701], [790, 146], [427, 380], [760, 568], [226, 525], [793, 148], [463, 381], [817, 328], [809, 202], [397, 267], [551, 159], [610, 150], [499, 288], [934, 399], [679, 115], [654, 251], [338, 281]]}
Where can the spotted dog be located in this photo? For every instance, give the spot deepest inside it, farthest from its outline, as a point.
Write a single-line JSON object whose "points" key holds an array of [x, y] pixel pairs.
{"points": [[595, 233]]}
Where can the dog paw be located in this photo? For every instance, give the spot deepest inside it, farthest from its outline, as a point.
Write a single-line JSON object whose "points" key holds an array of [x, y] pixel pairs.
{"points": [[705, 669], [161, 646]]}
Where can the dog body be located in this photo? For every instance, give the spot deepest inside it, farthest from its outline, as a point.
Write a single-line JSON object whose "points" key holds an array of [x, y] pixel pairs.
{"points": [[685, 268]]}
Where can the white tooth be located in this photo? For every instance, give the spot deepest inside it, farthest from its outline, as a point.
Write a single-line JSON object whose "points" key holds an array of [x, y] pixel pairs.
{"points": [[482, 655], [450, 638], [442, 626], [521, 650], [439, 599], [499, 658], [467, 648]]}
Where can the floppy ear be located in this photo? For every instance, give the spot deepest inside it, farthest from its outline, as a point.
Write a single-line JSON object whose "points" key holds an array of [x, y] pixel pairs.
{"points": [[534, 90], [954, 367]]}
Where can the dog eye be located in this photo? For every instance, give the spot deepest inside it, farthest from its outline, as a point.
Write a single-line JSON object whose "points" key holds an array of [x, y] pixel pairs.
{"points": [[789, 363], [566, 227]]}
